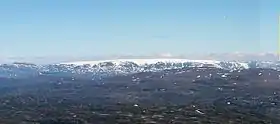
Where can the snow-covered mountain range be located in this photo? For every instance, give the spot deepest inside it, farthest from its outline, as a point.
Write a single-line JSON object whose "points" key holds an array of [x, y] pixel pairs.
{"points": [[122, 66]]}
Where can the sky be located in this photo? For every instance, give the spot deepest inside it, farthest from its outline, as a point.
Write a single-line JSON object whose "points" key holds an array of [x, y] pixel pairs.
{"points": [[40, 28]]}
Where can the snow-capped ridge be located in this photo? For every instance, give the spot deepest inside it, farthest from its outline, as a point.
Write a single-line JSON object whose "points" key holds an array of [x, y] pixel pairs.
{"points": [[183, 62], [142, 61], [123, 66]]}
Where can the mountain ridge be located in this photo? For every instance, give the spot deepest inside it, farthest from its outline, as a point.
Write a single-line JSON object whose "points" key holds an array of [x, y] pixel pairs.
{"points": [[105, 68]]}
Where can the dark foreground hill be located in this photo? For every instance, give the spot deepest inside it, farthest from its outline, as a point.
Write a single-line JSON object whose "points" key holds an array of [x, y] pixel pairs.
{"points": [[180, 96]]}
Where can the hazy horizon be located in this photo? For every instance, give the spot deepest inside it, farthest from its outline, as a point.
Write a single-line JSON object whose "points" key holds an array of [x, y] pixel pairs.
{"points": [[235, 56]]}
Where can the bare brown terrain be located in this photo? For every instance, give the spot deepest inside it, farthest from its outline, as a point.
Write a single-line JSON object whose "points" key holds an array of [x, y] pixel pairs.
{"points": [[179, 96]]}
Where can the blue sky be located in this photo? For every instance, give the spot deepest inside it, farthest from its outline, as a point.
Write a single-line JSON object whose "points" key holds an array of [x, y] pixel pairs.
{"points": [[115, 27]]}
